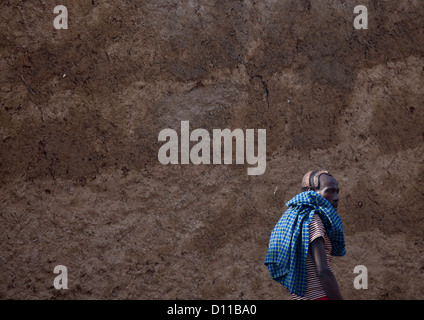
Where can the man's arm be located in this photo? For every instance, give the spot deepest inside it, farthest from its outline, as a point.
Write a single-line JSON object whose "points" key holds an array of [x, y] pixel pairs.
{"points": [[325, 275]]}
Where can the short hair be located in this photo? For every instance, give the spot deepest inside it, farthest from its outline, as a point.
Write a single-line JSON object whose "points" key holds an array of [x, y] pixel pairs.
{"points": [[311, 179]]}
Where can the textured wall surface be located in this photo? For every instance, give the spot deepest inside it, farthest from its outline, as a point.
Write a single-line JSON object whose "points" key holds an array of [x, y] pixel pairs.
{"points": [[80, 114]]}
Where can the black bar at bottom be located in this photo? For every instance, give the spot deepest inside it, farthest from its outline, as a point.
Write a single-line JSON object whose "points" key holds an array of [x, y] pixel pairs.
{"points": [[202, 309]]}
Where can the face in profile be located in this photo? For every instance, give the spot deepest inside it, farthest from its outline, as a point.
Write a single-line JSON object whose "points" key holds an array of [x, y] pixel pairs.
{"points": [[329, 189]]}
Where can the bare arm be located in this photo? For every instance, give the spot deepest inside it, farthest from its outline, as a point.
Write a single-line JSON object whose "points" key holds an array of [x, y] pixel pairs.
{"points": [[325, 275]]}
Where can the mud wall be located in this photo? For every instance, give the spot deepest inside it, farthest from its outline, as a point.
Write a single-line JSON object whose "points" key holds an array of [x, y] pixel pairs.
{"points": [[81, 110]]}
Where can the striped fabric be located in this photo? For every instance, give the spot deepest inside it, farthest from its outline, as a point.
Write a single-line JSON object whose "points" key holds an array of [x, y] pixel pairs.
{"points": [[289, 241], [314, 289]]}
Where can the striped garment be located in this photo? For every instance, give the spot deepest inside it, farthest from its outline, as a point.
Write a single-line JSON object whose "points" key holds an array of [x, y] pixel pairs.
{"points": [[289, 241], [314, 289]]}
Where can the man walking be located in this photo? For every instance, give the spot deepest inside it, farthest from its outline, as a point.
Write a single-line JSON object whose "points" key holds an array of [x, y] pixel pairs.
{"points": [[305, 237]]}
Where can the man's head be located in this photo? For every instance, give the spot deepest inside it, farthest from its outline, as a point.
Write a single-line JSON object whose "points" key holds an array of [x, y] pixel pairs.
{"points": [[323, 183]]}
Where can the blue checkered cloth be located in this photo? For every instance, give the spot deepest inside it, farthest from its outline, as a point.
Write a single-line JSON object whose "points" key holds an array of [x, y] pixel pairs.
{"points": [[289, 241]]}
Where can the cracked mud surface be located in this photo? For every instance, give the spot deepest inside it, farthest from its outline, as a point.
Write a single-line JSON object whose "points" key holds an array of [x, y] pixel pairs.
{"points": [[80, 114]]}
